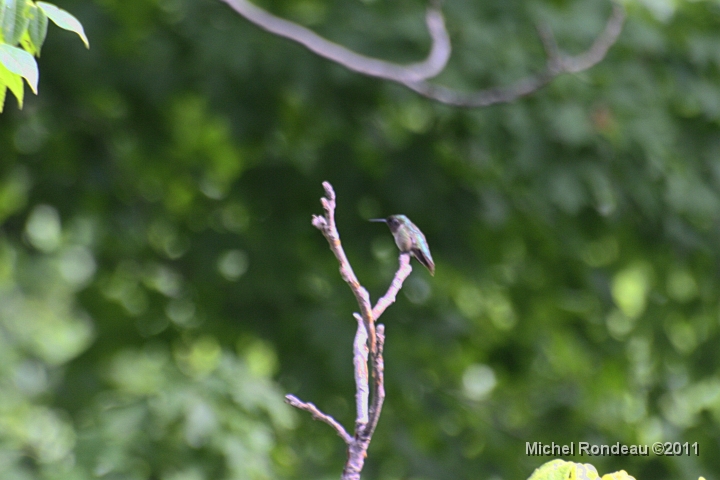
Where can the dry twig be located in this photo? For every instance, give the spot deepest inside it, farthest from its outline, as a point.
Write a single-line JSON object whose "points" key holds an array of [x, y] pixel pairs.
{"points": [[368, 401], [318, 415]]}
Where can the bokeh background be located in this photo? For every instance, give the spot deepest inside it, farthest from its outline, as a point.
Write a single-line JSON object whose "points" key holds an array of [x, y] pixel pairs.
{"points": [[162, 289]]}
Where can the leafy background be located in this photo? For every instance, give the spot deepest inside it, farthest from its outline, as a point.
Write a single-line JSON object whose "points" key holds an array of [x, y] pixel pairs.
{"points": [[161, 287]]}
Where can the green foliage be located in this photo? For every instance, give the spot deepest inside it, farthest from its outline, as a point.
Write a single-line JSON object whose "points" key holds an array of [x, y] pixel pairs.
{"points": [[161, 287], [562, 470], [554, 470], [62, 19], [24, 23]]}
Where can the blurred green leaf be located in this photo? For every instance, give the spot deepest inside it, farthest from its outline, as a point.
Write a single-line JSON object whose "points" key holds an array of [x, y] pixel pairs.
{"points": [[37, 28], [64, 20], [21, 63], [13, 81], [13, 20]]}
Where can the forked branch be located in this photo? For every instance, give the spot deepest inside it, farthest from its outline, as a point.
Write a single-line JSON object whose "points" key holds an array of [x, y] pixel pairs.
{"points": [[369, 397], [415, 75]]}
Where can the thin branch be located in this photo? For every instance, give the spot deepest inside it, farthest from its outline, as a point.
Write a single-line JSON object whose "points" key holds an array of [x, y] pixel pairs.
{"points": [[379, 384], [414, 76], [482, 98], [556, 64], [600, 46], [369, 401], [428, 68], [328, 228], [389, 298], [547, 37], [360, 361], [318, 415], [357, 450]]}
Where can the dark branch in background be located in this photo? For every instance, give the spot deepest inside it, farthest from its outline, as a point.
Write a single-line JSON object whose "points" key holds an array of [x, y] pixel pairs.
{"points": [[368, 401], [430, 67], [414, 76], [557, 64]]}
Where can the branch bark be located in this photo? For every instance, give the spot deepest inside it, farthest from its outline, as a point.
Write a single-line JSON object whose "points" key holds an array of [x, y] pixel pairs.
{"points": [[414, 76], [369, 398], [326, 224], [428, 68], [318, 415]]}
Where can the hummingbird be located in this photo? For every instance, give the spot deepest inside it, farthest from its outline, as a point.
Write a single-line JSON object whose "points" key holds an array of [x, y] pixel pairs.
{"points": [[409, 239]]}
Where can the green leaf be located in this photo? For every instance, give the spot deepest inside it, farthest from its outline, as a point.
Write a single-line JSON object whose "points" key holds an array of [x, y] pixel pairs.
{"points": [[3, 90], [64, 20], [14, 21], [20, 62], [27, 44], [37, 28], [554, 470], [562, 470], [13, 81], [585, 471], [621, 475]]}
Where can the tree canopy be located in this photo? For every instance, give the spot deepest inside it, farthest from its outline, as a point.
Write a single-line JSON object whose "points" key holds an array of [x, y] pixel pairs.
{"points": [[162, 287]]}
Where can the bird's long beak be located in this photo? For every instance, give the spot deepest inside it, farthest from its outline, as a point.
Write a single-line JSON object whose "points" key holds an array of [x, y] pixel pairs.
{"points": [[378, 220]]}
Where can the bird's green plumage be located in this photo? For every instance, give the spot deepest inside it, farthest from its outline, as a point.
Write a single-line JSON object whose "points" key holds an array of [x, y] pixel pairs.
{"points": [[409, 239]]}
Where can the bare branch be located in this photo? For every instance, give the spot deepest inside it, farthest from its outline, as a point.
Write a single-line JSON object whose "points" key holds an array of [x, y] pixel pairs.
{"points": [[547, 37], [378, 383], [430, 67], [362, 389], [357, 450], [414, 76], [482, 98], [318, 415], [327, 226], [369, 401], [389, 298], [600, 46], [557, 64]]}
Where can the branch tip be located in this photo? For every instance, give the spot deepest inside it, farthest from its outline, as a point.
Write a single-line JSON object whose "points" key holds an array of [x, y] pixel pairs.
{"points": [[329, 190], [319, 222], [318, 415]]}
